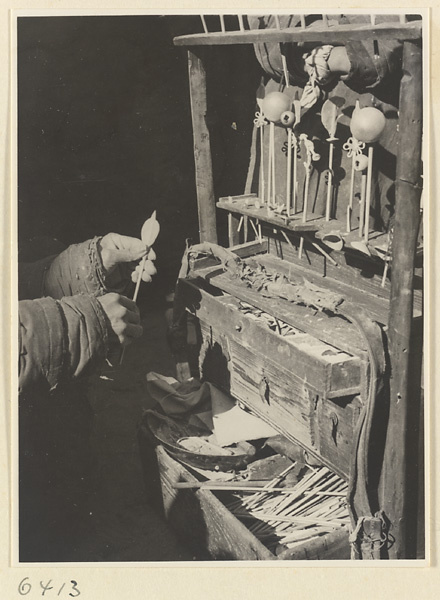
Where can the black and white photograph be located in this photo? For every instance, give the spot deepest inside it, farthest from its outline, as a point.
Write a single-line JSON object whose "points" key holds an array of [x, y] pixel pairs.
{"points": [[220, 244]]}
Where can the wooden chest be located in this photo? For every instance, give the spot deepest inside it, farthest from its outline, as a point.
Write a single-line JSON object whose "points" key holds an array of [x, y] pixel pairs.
{"points": [[208, 528], [260, 352]]}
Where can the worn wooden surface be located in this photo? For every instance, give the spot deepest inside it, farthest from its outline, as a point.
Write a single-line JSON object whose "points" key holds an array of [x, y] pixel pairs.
{"points": [[213, 532], [320, 33], [202, 521], [334, 371], [332, 330], [375, 305], [353, 270], [202, 149], [233, 233], [332, 546], [407, 218], [235, 204], [288, 381]]}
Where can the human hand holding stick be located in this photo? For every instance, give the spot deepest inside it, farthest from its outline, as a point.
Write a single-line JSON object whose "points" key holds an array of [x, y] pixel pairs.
{"points": [[149, 232]]}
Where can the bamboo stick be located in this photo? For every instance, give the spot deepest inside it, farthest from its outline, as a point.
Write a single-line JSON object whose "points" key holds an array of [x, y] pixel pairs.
{"points": [[262, 191], [272, 140], [271, 518], [205, 28], [289, 170], [362, 204], [222, 23], [321, 250], [350, 202], [295, 175], [368, 194], [330, 182], [240, 22], [269, 169]]}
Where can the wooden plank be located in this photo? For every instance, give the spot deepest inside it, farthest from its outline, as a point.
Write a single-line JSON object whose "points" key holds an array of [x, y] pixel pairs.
{"points": [[295, 223], [319, 33], [374, 305], [301, 354], [331, 546], [233, 233], [407, 219], [332, 330], [202, 521], [353, 269], [250, 248], [202, 149], [242, 251]]}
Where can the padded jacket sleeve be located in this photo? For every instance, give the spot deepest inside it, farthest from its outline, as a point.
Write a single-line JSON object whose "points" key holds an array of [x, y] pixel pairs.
{"points": [[60, 339], [63, 331], [77, 270]]}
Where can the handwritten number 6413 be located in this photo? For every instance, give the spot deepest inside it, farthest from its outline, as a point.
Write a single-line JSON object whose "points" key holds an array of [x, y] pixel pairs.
{"points": [[25, 587]]}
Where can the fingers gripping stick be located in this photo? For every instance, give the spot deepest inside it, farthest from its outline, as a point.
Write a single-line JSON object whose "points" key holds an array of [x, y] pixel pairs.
{"points": [[149, 232]]}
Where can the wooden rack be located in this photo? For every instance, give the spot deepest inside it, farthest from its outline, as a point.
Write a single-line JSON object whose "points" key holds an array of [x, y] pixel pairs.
{"points": [[407, 213]]}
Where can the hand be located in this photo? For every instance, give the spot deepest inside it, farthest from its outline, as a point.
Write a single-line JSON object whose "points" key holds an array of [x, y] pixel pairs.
{"points": [[119, 255], [148, 271], [123, 316]]}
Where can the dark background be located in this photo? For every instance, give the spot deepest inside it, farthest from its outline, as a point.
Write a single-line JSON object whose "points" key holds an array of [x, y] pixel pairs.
{"points": [[104, 128]]}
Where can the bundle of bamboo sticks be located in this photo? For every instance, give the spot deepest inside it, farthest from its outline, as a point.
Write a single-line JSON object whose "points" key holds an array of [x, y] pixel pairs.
{"points": [[315, 506]]}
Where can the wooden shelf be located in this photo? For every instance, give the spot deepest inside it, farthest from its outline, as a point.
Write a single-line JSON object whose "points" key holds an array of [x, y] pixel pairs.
{"points": [[323, 34], [251, 206]]}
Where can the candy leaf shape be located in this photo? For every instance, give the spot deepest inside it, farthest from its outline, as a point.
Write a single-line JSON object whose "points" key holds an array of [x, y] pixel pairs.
{"points": [[329, 113], [150, 230]]}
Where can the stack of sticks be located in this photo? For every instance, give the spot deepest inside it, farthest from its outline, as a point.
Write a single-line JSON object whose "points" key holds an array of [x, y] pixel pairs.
{"points": [[315, 506]]}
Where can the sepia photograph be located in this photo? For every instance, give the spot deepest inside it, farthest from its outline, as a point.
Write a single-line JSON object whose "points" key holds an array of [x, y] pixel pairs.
{"points": [[220, 244]]}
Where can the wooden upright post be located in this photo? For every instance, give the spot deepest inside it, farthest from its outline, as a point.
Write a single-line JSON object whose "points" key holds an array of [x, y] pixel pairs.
{"points": [[202, 147], [394, 485]]}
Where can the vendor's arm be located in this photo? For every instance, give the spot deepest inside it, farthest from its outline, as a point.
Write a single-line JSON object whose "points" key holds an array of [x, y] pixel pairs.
{"points": [[93, 267], [60, 340]]}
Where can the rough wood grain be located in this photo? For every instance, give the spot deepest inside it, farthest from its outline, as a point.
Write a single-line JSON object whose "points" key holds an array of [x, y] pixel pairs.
{"points": [[274, 393], [213, 532], [331, 330], [320, 33], [202, 521], [202, 149], [407, 218], [333, 371]]}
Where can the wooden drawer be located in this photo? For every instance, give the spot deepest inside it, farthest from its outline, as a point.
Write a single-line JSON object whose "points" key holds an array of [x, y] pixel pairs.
{"points": [[212, 532]]}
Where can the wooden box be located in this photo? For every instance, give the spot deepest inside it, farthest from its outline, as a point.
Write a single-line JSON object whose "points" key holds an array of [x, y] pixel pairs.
{"points": [[209, 529], [306, 383]]}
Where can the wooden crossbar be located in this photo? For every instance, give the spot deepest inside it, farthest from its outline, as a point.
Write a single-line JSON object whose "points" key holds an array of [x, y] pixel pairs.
{"points": [[322, 33]]}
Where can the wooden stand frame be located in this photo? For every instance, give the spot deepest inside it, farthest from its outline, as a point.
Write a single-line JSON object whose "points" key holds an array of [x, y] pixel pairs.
{"points": [[407, 217]]}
